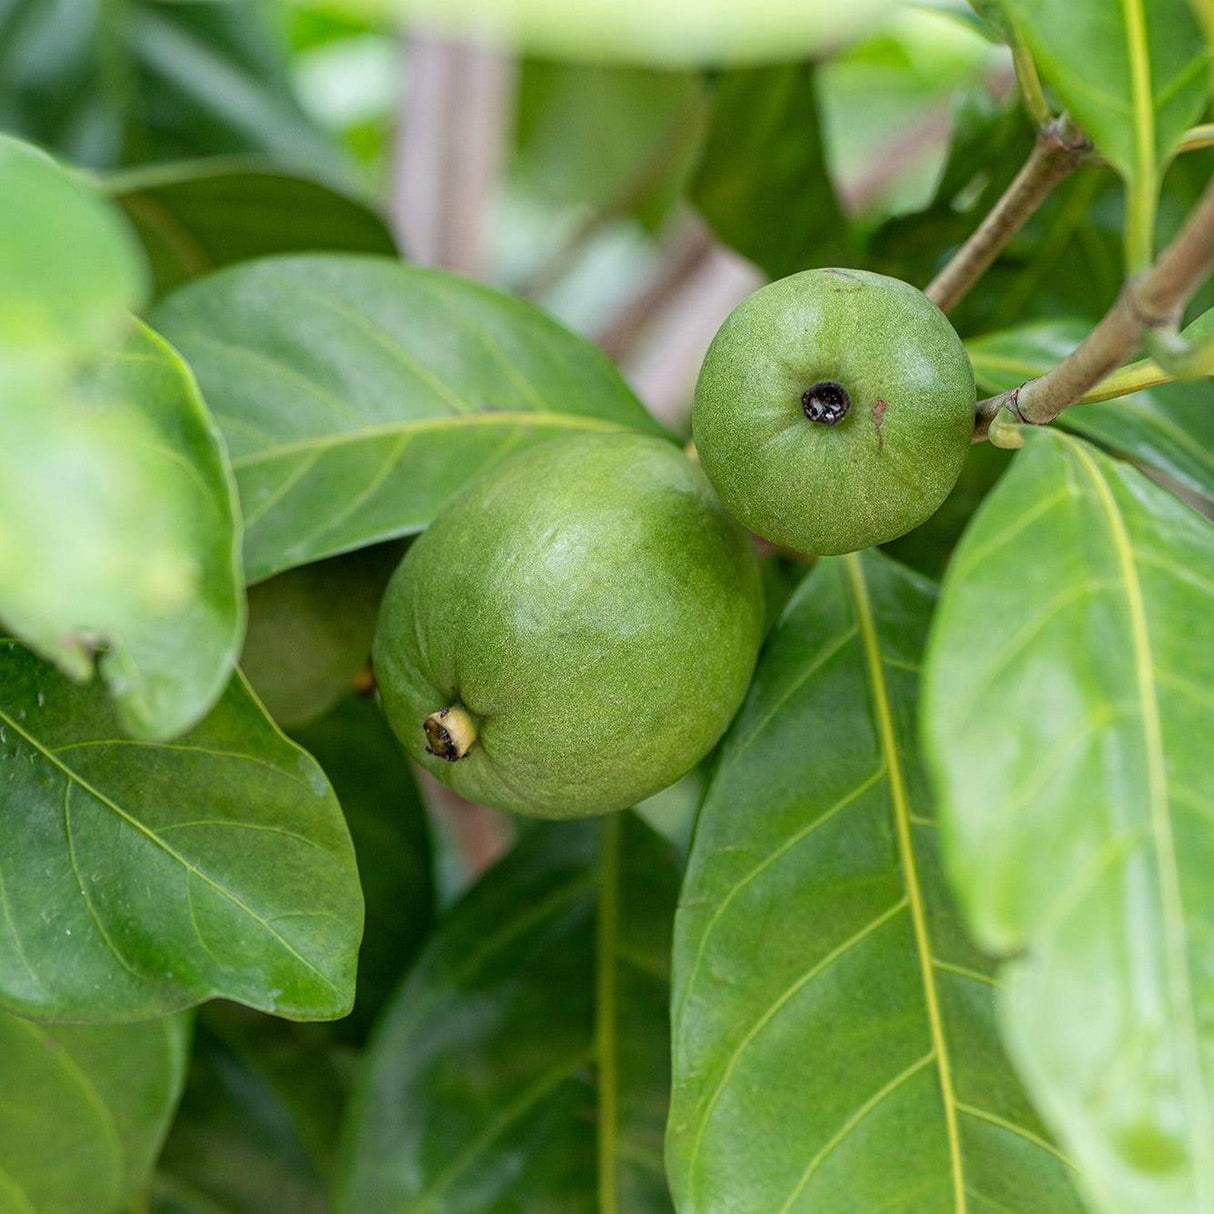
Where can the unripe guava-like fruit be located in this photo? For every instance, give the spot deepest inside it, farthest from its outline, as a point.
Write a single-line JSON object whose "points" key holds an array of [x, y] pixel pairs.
{"points": [[834, 410], [575, 631]]}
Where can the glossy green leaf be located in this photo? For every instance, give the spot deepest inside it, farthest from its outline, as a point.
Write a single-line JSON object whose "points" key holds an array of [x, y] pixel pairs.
{"points": [[137, 878], [1066, 715], [85, 1110], [523, 1065], [310, 631], [70, 268], [387, 820], [358, 394], [1133, 74], [256, 1122], [646, 31], [1169, 428], [199, 216], [762, 181], [119, 531], [834, 1037]]}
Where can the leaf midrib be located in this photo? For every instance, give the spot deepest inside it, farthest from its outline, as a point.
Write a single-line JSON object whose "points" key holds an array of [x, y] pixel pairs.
{"points": [[901, 811], [395, 429]]}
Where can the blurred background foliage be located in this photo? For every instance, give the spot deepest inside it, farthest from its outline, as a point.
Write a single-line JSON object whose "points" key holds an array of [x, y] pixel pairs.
{"points": [[638, 204]]}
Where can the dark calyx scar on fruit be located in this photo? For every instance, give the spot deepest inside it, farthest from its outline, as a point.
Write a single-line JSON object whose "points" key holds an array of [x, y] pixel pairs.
{"points": [[591, 641], [826, 402], [834, 410]]}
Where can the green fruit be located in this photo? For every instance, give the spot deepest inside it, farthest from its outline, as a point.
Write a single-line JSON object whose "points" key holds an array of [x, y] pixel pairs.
{"points": [[834, 410], [575, 631]]}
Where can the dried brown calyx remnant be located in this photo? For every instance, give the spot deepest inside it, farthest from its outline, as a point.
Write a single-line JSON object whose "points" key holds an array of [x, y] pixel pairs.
{"points": [[450, 733]]}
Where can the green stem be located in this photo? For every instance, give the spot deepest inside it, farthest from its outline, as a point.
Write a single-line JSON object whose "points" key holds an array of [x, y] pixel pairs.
{"points": [[1030, 82]]}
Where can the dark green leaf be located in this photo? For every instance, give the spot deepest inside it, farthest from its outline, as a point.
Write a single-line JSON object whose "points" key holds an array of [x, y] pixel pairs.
{"points": [[1169, 428], [928, 548], [762, 182], [193, 218], [1133, 74], [310, 631], [523, 1065], [1066, 714], [358, 394], [369, 773], [138, 878], [120, 530], [255, 1128], [147, 80], [834, 1043], [85, 1110]]}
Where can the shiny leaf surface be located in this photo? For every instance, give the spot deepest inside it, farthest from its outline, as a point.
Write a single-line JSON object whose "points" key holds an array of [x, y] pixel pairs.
{"points": [[523, 1064], [821, 977], [197, 217], [1134, 76], [1066, 716], [358, 394], [138, 878]]}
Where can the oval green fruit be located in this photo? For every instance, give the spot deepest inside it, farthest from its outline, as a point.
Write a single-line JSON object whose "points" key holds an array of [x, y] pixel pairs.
{"points": [[575, 631], [834, 410]]}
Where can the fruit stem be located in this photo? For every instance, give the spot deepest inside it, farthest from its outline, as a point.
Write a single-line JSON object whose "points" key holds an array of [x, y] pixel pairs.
{"points": [[451, 733], [1060, 149], [1153, 300]]}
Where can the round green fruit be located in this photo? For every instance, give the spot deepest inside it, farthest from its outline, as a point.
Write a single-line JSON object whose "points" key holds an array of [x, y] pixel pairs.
{"points": [[834, 410], [575, 631]]}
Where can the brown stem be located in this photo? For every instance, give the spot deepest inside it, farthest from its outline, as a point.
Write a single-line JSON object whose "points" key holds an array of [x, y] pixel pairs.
{"points": [[1154, 299], [688, 251], [1059, 150]]}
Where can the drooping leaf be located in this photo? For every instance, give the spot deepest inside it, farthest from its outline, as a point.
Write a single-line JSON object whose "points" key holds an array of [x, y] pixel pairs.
{"points": [[310, 631], [762, 181], [199, 216], [387, 819], [834, 1038], [85, 1110], [70, 268], [257, 1118], [143, 877], [1169, 428], [1133, 74], [358, 394], [523, 1065], [1066, 716], [119, 529], [676, 32]]}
